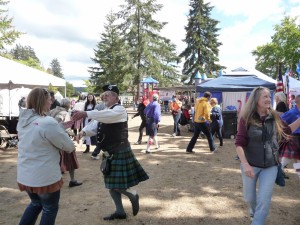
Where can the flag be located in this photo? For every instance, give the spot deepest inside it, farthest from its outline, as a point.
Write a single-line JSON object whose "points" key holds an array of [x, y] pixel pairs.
{"points": [[279, 87], [287, 89]]}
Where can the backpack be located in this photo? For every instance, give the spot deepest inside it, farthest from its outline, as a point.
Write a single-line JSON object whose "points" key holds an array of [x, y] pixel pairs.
{"points": [[183, 120]]}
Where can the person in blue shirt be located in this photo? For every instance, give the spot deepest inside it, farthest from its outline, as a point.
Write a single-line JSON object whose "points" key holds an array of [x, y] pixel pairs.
{"points": [[290, 149], [153, 114], [216, 120]]}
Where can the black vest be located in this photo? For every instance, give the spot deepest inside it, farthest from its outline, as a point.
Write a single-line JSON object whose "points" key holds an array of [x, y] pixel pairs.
{"points": [[262, 144], [111, 135]]}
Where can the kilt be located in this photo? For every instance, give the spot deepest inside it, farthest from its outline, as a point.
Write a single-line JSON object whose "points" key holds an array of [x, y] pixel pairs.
{"points": [[125, 171], [78, 124], [151, 127], [290, 148], [68, 161]]}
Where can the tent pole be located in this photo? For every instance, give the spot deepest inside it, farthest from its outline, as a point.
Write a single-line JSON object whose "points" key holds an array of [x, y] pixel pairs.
{"points": [[65, 89]]}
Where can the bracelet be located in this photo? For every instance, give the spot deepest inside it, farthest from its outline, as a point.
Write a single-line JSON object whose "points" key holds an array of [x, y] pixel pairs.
{"points": [[245, 163], [83, 133]]}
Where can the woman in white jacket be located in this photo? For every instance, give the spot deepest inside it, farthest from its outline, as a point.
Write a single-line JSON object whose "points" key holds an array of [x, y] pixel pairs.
{"points": [[40, 140]]}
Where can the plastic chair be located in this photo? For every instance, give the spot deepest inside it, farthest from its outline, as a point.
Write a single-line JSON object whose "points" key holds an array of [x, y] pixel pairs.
{"points": [[7, 140]]}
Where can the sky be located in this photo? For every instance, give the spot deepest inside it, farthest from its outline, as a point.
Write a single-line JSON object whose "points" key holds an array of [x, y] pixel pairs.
{"points": [[69, 30]]}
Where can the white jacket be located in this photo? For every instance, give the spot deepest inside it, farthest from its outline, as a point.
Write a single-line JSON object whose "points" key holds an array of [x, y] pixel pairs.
{"points": [[40, 140]]}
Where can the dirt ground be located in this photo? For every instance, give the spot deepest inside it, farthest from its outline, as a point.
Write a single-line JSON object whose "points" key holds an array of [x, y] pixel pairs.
{"points": [[202, 188]]}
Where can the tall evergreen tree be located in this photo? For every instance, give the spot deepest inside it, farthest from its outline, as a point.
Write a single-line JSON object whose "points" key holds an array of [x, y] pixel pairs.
{"points": [[150, 53], [55, 68], [201, 53], [8, 34], [110, 57], [24, 53]]}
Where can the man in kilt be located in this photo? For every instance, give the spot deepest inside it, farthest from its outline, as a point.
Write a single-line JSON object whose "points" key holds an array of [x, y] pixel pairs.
{"points": [[112, 139]]}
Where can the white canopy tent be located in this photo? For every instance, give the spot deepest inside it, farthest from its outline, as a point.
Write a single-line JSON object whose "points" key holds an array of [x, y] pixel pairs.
{"points": [[294, 85], [16, 75], [247, 72]]}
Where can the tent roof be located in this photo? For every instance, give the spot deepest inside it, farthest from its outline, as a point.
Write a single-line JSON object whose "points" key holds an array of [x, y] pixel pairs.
{"points": [[149, 80], [245, 72], [14, 75], [234, 84], [293, 83]]}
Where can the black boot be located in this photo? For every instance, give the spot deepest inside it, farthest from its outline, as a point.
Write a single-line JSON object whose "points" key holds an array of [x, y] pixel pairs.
{"points": [[87, 149]]}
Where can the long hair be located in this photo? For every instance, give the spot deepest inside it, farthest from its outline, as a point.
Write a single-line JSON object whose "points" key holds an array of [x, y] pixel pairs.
{"points": [[36, 100], [93, 102], [250, 109]]}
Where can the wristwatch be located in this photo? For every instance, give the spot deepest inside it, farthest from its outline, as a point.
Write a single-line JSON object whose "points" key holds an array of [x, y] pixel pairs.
{"points": [[83, 133]]}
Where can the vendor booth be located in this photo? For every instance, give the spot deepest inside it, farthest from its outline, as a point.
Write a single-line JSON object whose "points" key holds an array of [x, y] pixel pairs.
{"points": [[232, 92]]}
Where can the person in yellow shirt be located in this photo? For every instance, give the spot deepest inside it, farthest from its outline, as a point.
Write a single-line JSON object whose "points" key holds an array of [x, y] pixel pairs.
{"points": [[175, 108], [201, 123]]}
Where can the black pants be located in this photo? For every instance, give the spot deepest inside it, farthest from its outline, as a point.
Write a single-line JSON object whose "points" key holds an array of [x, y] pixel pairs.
{"points": [[142, 126]]}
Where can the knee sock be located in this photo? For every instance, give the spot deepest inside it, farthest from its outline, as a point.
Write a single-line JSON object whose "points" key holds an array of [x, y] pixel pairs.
{"points": [[116, 196], [72, 175], [129, 193], [156, 141], [149, 143], [284, 162]]}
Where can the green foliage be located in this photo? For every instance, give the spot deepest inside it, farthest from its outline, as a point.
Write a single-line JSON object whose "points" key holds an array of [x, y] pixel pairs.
{"points": [[133, 49], [284, 47], [202, 51], [55, 68], [90, 88], [8, 34], [111, 59], [70, 89], [26, 55], [150, 53]]}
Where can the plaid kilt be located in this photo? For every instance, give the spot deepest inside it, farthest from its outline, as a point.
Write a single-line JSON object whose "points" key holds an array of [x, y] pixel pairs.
{"points": [[151, 127], [68, 161], [125, 171], [290, 148]]}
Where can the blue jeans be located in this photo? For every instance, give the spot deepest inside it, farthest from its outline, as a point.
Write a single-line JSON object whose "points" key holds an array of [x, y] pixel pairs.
{"points": [[176, 118], [47, 202], [198, 127], [259, 200], [215, 128]]}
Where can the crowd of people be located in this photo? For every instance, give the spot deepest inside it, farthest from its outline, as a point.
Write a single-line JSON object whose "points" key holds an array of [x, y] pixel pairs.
{"points": [[46, 149]]}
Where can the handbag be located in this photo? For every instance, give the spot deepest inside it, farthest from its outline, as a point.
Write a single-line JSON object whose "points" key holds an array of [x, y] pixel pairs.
{"points": [[280, 174], [105, 165]]}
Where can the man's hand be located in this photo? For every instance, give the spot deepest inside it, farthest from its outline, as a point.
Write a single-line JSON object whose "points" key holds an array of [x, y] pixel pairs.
{"points": [[77, 115], [79, 136]]}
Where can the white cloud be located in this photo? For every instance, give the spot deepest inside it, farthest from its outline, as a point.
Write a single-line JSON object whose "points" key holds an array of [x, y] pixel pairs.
{"points": [[69, 29]]}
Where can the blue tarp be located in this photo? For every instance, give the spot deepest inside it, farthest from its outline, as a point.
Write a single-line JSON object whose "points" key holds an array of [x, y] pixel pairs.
{"points": [[234, 84]]}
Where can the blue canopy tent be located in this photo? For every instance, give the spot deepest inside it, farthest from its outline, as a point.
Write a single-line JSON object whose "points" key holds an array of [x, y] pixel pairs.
{"points": [[234, 84], [233, 92]]}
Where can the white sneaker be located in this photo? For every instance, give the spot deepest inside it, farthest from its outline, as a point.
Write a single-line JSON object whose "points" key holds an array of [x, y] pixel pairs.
{"points": [[174, 135], [95, 157]]}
